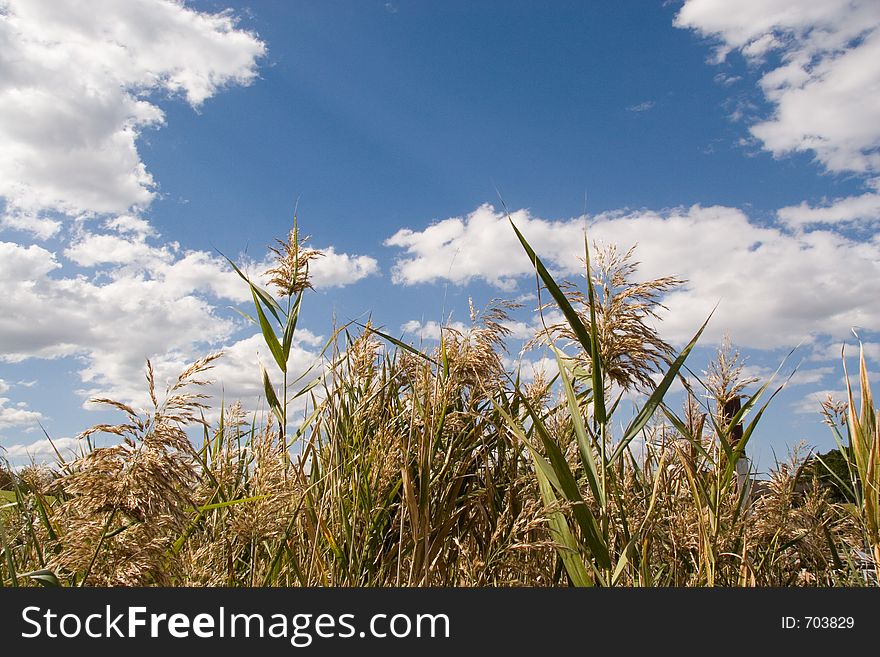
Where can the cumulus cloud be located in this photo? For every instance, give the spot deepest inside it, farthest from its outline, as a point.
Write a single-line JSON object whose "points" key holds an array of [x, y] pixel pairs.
{"points": [[823, 83], [130, 224], [76, 90], [480, 246], [41, 450], [776, 289], [235, 376], [517, 329], [811, 403], [133, 312], [139, 298], [530, 368], [797, 377], [101, 249], [338, 269], [40, 227], [430, 330], [809, 376], [848, 349], [17, 415], [863, 209]]}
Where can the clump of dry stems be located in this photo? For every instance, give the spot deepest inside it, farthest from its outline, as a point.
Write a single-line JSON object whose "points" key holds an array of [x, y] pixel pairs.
{"points": [[290, 274], [626, 311], [411, 468], [126, 504]]}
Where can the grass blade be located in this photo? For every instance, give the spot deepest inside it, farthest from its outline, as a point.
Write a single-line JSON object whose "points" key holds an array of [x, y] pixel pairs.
{"points": [[595, 356], [269, 336], [271, 397], [584, 444], [558, 295]]}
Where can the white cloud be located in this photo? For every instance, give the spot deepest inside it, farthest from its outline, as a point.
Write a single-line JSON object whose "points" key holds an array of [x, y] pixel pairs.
{"points": [[112, 322], [760, 46], [862, 209], [40, 450], [520, 330], [810, 376], [727, 80], [823, 89], [20, 262], [16, 415], [644, 106], [775, 289], [102, 249], [530, 368], [11, 416], [811, 403], [339, 269], [75, 89], [481, 245], [130, 224], [133, 313], [179, 272], [756, 20], [40, 227], [234, 377], [140, 298], [832, 351], [801, 376], [429, 330]]}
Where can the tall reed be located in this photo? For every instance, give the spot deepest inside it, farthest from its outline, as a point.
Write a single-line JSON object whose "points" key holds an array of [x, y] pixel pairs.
{"points": [[412, 467]]}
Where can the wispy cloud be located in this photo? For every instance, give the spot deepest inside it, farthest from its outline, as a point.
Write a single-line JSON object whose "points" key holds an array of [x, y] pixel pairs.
{"points": [[644, 106], [727, 80]]}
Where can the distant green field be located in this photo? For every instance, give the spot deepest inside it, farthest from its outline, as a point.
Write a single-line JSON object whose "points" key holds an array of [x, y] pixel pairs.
{"points": [[9, 496]]}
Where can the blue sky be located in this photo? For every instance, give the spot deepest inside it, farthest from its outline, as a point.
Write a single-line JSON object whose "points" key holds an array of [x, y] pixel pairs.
{"points": [[738, 149]]}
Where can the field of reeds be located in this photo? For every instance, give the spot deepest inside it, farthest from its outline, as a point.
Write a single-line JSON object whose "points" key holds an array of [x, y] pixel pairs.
{"points": [[409, 467]]}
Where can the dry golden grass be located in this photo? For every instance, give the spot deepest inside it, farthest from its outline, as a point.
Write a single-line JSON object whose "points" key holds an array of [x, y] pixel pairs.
{"points": [[626, 313], [290, 275], [443, 469]]}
